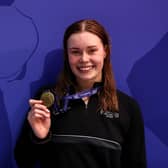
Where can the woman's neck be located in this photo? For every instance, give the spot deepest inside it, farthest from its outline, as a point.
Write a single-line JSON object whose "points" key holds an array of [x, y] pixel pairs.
{"points": [[84, 85]]}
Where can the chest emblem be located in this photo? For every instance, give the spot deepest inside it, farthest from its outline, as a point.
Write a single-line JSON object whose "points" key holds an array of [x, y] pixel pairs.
{"points": [[110, 114]]}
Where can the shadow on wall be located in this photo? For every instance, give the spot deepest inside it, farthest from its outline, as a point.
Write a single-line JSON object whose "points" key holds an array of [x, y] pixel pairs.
{"points": [[52, 66], [148, 82], [6, 2], [5, 138]]}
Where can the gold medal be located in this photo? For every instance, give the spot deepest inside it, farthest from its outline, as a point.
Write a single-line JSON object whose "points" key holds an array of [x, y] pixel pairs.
{"points": [[47, 98]]}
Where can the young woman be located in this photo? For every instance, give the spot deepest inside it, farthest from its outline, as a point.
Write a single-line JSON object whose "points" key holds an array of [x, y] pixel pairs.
{"points": [[91, 124]]}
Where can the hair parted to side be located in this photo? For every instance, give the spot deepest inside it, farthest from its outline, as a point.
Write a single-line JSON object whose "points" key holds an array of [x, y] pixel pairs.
{"points": [[108, 96]]}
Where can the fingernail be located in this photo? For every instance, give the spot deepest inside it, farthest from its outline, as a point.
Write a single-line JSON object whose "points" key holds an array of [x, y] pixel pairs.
{"points": [[30, 100]]}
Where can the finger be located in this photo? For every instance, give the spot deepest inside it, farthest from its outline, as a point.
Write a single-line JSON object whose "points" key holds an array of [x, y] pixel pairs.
{"points": [[39, 116], [41, 107], [32, 118], [36, 116], [32, 102], [37, 112]]}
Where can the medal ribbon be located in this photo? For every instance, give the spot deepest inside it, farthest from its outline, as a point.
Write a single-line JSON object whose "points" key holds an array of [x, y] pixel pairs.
{"points": [[80, 95]]}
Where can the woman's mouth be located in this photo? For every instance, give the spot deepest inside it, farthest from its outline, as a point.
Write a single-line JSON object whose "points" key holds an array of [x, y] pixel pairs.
{"points": [[85, 68]]}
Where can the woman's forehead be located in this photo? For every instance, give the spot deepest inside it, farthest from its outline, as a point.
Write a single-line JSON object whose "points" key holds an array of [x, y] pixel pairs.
{"points": [[83, 39]]}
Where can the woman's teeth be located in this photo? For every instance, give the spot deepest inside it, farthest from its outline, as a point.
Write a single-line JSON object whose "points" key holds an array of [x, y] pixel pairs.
{"points": [[85, 68]]}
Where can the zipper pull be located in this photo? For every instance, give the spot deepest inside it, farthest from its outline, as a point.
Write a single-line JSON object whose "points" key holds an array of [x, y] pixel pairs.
{"points": [[86, 101]]}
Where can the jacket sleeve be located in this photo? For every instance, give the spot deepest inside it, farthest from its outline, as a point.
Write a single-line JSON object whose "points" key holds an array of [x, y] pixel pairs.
{"points": [[133, 149], [25, 152], [29, 148]]}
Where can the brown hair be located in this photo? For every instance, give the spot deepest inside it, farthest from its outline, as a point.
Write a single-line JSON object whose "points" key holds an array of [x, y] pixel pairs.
{"points": [[107, 98]]}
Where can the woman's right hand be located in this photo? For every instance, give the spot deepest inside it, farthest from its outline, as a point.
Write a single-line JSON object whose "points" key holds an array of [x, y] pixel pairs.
{"points": [[39, 118]]}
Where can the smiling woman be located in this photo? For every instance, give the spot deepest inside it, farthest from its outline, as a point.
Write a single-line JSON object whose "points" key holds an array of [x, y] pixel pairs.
{"points": [[91, 124], [86, 55]]}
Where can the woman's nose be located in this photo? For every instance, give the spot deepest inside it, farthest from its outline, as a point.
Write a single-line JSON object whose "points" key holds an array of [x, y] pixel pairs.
{"points": [[84, 57]]}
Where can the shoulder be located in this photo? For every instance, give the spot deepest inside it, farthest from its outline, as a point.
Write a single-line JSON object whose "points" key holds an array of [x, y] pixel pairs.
{"points": [[130, 112], [126, 99], [128, 104]]}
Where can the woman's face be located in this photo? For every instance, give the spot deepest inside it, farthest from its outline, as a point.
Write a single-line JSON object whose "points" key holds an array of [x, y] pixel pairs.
{"points": [[86, 55]]}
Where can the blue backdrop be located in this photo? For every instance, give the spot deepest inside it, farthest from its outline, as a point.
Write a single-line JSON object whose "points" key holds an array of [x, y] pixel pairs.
{"points": [[31, 53]]}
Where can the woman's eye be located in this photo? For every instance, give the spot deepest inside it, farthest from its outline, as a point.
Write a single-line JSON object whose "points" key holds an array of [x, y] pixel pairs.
{"points": [[92, 51], [75, 52]]}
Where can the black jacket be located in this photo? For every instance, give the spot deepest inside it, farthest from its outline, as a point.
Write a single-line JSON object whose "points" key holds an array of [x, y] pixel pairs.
{"points": [[86, 138]]}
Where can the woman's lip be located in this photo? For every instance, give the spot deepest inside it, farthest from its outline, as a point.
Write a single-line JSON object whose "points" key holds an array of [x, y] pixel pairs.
{"points": [[88, 66], [85, 68]]}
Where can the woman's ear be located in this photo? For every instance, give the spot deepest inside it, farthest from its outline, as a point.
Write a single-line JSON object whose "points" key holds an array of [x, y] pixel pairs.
{"points": [[105, 51]]}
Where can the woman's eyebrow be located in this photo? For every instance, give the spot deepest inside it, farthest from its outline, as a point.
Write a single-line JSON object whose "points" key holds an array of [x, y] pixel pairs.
{"points": [[73, 48], [92, 46]]}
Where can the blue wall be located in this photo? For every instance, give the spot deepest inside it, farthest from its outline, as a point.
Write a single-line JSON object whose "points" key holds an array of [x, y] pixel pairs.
{"points": [[30, 54]]}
